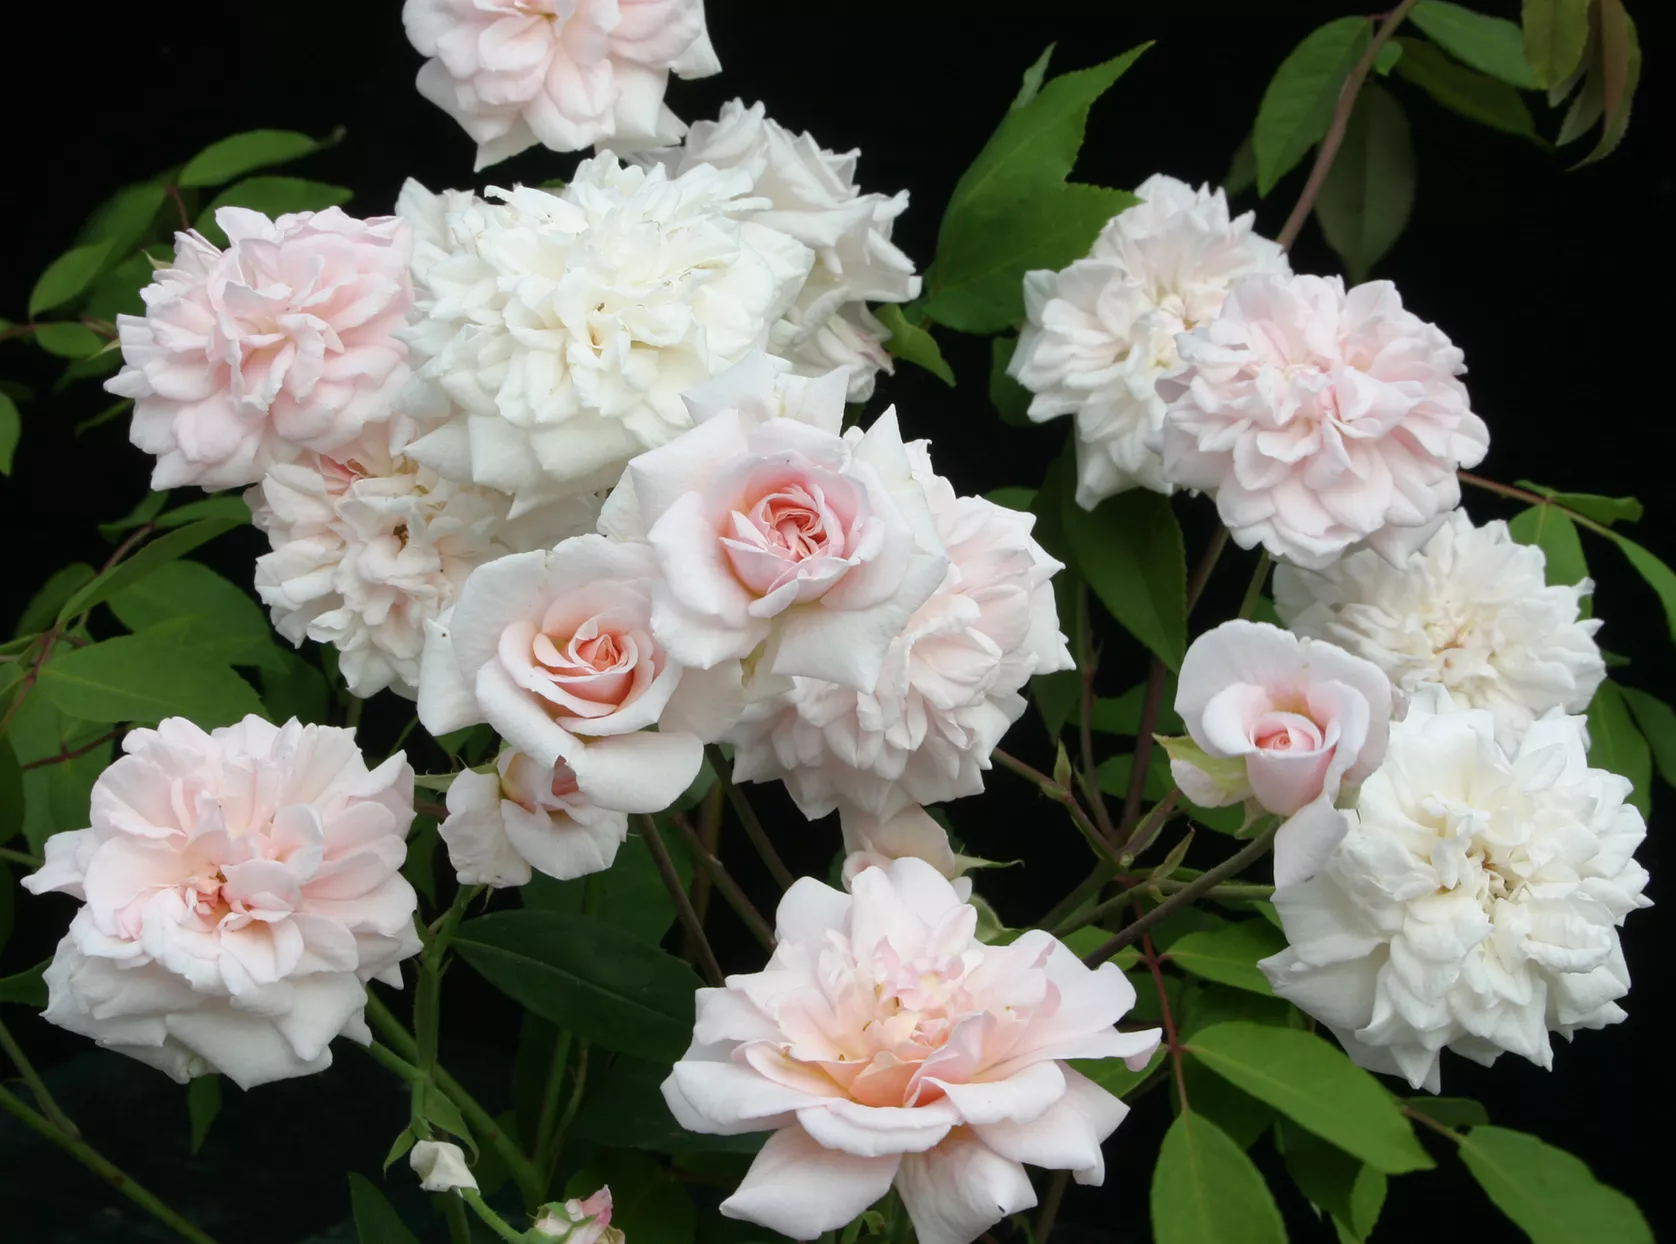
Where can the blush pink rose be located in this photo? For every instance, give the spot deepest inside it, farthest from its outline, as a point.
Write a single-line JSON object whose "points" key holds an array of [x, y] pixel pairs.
{"points": [[567, 74], [555, 650], [1287, 722], [1320, 418], [870, 842], [281, 343], [884, 1044], [239, 889], [769, 526]]}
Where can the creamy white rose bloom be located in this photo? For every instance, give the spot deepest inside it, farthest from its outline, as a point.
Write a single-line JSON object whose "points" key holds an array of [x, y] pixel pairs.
{"points": [[369, 545], [873, 843], [239, 889], [441, 1166], [563, 73], [555, 332], [1476, 901], [1472, 612], [812, 196], [1099, 334], [951, 679], [522, 816]]}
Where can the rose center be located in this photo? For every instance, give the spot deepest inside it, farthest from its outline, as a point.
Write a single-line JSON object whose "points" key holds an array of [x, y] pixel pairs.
{"points": [[791, 523], [1286, 732]]}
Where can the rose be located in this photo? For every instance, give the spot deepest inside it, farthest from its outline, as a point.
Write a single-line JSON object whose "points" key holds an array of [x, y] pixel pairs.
{"points": [[239, 889], [579, 1220], [501, 824], [555, 650], [781, 530], [873, 843], [1284, 721], [441, 1167], [885, 1044]]}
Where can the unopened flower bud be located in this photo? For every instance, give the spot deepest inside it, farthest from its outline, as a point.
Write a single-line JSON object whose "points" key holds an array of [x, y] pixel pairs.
{"points": [[580, 1221], [441, 1167]]}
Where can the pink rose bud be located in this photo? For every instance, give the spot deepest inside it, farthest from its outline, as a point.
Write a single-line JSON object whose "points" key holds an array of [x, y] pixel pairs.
{"points": [[580, 1221]]}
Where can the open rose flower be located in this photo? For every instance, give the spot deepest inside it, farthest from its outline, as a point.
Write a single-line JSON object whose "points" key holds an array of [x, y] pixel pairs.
{"points": [[282, 342], [1320, 419], [1283, 721], [502, 824], [555, 651], [564, 73], [782, 530], [884, 1045], [239, 889]]}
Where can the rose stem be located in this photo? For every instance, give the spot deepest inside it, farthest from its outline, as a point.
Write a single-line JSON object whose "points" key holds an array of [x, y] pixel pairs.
{"points": [[101, 1166], [1050, 1205], [1520, 494], [1088, 659], [492, 1220], [679, 896], [748, 818], [552, 1146], [1330, 145], [703, 852], [1254, 589], [710, 829], [1149, 956], [43, 1099], [1251, 852], [1054, 791]]}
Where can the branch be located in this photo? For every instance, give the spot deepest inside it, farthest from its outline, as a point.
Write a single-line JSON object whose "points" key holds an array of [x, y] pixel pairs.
{"points": [[1054, 791], [682, 900], [1234, 864], [723, 881], [748, 818], [1089, 664], [1346, 104], [1151, 703], [1533, 498], [68, 754]]}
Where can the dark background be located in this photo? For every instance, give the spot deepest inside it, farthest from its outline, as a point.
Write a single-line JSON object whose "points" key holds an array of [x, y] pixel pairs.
{"points": [[1554, 283]]}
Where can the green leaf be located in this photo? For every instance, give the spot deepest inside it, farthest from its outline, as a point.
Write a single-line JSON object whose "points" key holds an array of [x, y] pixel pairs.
{"points": [[1229, 955], [1113, 773], [1227, 772], [1113, 1074], [1619, 71], [1604, 510], [1552, 1196], [376, 1220], [159, 552], [117, 291], [144, 512], [1122, 714], [232, 157], [1217, 1004], [1241, 1116], [1012, 497], [1013, 211], [435, 1110], [1297, 107], [1206, 1191], [1657, 575], [1492, 44], [273, 197], [657, 1210], [912, 343], [144, 678], [629, 895], [68, 341], [66, 277], [1615, 744], [1387, 57], [1130, 552], [625, 1109], [126, 217], [1351, 1191], [11, 429], [1658, 726], [1242, 169], [1555, 34], [291, 687], [1551, 530], [229, 506], [1033, 76], [203, 1103], [1368, 196], [26, 988], [1314, 1084], [104, 416], [595, 980], [1450, 1111], [1475, 96], [12, 803], [220, 621], [55, 792], [1010, 399]]}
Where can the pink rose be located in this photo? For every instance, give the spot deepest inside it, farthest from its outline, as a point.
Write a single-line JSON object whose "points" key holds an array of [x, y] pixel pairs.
{"points": [[1284, 721], [772, 527], [885, 1045], [239, 889], [873, 843], [1320, 419], [567, 74], [555, 650], [282, 342]]}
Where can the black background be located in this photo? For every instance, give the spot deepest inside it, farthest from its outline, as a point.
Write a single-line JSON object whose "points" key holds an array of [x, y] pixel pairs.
{"points": [[1555, 283]]}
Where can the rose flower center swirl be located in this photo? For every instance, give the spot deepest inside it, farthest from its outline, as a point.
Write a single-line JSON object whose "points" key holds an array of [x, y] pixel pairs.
{"points": [[794, 532], [582, 668]]}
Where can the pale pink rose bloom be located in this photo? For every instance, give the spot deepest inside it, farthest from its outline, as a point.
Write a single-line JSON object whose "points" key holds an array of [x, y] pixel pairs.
{"points": [[1320, 419], [580, 1220], [239, 889], [1284, 721], [555, 650], [771, 526], [280, 343], [951, 681], [873, 843], [522, 816], [885, 1044], [563, 73]]}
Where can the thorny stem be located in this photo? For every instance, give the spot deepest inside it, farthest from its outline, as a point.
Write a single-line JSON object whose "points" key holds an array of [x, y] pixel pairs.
{"points": [[459, 1226], [1426, 1120], [1227, 893], [546, 1123], [547, 1160], [1054, 791], [492, 1220], [748, 818], [1150, 957], [1202, 884], [705, 857], [101, 1166], [1330, 145], [1089, 662], [709, 832], [43, 1099], [683, 902]]}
